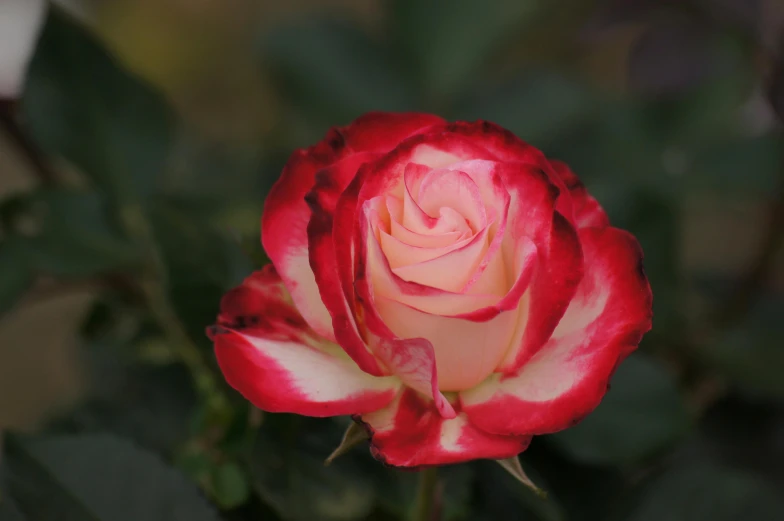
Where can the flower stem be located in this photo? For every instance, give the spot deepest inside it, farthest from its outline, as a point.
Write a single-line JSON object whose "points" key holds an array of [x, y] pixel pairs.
{"points": [[426, 493]]}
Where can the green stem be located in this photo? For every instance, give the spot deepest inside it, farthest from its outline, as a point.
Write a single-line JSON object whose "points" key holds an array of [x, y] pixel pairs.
{"points": [[152, 286], [426, 493]]}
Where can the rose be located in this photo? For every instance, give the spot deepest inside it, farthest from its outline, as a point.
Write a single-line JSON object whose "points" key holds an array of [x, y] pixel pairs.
{"points": [[445, 284]]}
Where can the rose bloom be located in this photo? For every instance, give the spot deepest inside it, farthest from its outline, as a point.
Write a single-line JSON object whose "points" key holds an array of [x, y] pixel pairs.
{"points": [[445, 284]]}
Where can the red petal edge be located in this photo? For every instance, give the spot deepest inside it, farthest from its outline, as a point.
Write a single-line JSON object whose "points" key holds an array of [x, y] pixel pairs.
{"points": [[568, 377], [270, 355], [410, 433]]}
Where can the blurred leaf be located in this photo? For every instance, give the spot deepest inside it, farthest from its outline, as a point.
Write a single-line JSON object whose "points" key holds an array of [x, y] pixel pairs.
{"points": [[640, 415], [672, 56], [77, 236], [451, 40], [151, 405], [9, 511], [335, 72], [736, 167], [99, 478], [751, 353], [202, 264], [288, 467], [16, 275], [705, 105], [656, 222], [537, 107], [707, 493], [78, 103], [615, 154], [230, 486], [576, 491]]}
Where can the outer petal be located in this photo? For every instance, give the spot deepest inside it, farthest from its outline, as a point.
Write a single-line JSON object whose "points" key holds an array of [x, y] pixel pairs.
{"points": [[269, 354], [411, 433], [567, 378], [380, 132], [322, 254], [587, 211], [284, 228], [553, 285], [286, 215]]}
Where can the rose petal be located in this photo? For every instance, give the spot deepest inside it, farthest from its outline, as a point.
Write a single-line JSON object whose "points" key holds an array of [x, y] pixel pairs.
{"points": [[322, 253], [567, 378], [450, 272], [410, 433], [401, 254], [417, 220], [466, 352], [380, 132], [283, 231], [269, 354], [286, 215], [553, 285], [456, 190], [587, 211]]}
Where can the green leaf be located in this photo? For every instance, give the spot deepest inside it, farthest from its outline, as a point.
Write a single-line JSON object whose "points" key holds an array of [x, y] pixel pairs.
{"points": [[334, 71], [16, 274], [230, 486], [537, 107], [656, 222], [450, 40], [97, 478], [9, 511], [79, 104], [150, 405], [641, 414], [707, 492], [736, 167], [290, 476], [77, 235], [202, 263], [750, 353]]}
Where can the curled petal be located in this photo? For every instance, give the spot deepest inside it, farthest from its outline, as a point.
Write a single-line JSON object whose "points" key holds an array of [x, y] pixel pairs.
{"points": [[380, 132], [272, 357], [559, 269], [567, 378], [587, 211], [286, 214], [410, 433], [322, 254]]}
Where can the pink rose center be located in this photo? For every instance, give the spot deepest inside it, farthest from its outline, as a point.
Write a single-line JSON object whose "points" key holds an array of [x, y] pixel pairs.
{"points": [[440, 230]]}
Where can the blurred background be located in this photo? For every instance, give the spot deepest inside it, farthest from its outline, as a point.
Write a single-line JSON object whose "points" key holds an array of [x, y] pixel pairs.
{"points": [[133, 171]]}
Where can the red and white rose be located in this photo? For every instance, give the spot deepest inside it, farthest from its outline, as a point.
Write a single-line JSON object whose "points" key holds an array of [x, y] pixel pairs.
{"points": [[444, 283]]}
